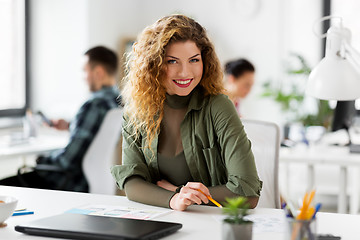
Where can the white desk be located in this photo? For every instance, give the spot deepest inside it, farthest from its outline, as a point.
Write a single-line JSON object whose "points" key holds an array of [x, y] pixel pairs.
{"points": [[332, 155], [198, 221], [47, 141]]}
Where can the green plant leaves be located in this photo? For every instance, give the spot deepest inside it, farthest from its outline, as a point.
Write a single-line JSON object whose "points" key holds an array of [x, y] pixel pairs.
{"points": [[236, 209], [292, 100]]}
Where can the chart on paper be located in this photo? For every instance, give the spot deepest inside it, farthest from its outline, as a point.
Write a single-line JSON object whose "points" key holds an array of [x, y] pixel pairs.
{"points": [[118, 211]]}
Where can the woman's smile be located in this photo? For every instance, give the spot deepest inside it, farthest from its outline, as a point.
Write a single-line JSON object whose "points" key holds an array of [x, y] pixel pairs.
{"points": [[183, 83]]}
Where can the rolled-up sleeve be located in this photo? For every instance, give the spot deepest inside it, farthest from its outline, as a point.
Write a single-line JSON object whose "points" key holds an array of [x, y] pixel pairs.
{"points": [[235, 149], [133, 161]]}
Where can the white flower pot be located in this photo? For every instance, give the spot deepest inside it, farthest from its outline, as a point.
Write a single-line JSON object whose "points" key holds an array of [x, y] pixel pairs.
{"points": [[237, 231]]}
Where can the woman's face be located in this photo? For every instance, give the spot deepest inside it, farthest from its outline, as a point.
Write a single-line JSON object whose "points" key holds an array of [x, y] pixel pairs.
{"points": [[183, 67], [243, 84]]}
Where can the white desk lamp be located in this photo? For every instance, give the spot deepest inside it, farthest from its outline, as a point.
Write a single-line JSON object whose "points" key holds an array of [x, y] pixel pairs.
{"points": [[337, 76]]}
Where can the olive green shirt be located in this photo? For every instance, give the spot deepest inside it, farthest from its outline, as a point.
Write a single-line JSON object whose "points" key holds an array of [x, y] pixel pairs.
{"points": [[216, 148]]}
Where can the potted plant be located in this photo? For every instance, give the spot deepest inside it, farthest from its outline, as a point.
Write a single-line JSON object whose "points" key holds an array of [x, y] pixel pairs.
{"points": [[235, 226], [291, 96]]}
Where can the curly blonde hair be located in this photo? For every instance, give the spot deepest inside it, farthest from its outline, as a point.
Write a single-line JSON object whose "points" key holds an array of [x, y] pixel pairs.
{"points": [[144, 91]]}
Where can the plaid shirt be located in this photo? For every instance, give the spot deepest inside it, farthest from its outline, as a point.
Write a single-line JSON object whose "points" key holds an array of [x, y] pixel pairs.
{"points": [[82, 131]]}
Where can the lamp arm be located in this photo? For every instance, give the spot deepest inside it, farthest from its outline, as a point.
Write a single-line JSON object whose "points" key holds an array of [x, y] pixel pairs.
{"points": [[353, 54], [323, 35]]}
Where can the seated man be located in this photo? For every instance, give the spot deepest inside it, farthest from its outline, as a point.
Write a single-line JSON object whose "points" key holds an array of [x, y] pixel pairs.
{"points": [[100, 69]]}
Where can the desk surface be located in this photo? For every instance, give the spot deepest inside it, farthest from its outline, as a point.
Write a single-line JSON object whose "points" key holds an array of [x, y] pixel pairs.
{"points": [[198, 221], [320, 154], [47, 140]]}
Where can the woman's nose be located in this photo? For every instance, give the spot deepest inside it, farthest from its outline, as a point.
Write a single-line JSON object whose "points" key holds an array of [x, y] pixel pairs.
{"points": [[184, 70]]}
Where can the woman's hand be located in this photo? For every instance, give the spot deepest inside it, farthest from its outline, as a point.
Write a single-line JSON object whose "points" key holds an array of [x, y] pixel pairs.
{"points": [[189, 195], [166, 185]]}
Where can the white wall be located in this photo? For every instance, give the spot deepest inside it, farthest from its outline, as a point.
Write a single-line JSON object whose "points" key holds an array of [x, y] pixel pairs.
{"points": [[262, 31], [59, 37]]}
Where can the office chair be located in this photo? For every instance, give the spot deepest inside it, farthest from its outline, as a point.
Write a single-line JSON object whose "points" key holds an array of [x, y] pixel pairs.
{"points": [[265, 143], [101, 154]]}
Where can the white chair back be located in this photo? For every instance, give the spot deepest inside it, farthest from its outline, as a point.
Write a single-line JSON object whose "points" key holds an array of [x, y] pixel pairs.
{"points": [[100, 156], [265, 143]]}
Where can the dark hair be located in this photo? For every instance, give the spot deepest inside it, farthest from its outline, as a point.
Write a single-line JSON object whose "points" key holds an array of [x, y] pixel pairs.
{"points": [[238, 67], [103, 56]]}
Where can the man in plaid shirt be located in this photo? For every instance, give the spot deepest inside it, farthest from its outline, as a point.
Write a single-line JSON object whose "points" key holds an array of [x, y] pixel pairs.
{"points": [[66, 164]]}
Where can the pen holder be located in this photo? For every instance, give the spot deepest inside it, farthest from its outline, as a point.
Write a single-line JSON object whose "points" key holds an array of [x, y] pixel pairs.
{"points": [[301, 229]]}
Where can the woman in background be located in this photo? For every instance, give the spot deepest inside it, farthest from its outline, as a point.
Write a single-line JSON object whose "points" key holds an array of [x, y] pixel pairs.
{"points": [[180, 133], [240, 75]]}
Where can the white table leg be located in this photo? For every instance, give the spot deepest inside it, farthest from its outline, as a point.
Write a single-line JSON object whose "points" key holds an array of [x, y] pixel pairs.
{"points": [[311, 177], [287, 180], [354, 201], [23, 160], [342, 190]]}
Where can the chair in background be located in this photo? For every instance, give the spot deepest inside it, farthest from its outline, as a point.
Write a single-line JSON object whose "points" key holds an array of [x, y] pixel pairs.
{"points": [[265, 144], [102, 154]]}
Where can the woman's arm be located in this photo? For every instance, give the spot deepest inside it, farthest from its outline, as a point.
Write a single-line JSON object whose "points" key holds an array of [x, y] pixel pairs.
{"points": [[235, 150], [219, 193], [139, 190]]}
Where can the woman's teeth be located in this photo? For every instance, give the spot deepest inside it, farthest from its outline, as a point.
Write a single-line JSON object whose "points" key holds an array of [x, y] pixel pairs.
{"points": [[182, 82]]}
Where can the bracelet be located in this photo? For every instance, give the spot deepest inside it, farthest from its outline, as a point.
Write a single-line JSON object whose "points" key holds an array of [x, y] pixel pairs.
{"points": [[178, 188]]}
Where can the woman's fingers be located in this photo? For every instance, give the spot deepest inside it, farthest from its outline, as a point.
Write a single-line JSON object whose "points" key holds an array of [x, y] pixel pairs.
{"points": [[193, 195], [178, 202], [166, 185], [199, 186]]}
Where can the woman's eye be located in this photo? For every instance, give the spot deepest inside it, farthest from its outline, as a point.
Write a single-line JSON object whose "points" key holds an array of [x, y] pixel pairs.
{"points": [[194, 60], [172, 61]]}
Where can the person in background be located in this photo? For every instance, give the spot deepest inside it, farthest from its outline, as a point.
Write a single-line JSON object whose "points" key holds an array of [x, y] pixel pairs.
{"points": [[180, 133], [100, 71], [240, 76]]}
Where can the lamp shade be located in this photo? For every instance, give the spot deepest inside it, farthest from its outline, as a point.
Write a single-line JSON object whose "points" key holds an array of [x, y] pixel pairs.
{"points": [[334, 78]]}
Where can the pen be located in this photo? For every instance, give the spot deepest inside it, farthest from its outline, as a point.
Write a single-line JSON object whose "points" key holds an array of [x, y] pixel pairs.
{"points": [[211, 199], [291, 209], [317, 208], [20, 209], [18, 213]]}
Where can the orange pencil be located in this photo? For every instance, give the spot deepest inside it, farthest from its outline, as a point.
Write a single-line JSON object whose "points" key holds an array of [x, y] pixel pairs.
{"points": [[306, 204], [211, 199]]}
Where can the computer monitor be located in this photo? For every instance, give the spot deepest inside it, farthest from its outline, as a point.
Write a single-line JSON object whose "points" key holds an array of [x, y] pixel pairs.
{"points": [[343, 116]]}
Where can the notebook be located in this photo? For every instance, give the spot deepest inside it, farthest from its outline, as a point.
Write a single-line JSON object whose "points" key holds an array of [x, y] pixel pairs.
{"points": [[79, 226]]}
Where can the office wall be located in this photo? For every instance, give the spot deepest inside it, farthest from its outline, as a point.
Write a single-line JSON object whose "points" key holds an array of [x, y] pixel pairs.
{"points": [[59, 37], [262, 31]]}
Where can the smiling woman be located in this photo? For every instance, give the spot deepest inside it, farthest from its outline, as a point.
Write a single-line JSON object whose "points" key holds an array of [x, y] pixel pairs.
{"points": [[183, 141]]}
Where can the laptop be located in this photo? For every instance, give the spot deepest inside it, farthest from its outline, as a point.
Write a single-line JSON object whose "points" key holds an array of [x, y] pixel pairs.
{"points": [[79, 226]]}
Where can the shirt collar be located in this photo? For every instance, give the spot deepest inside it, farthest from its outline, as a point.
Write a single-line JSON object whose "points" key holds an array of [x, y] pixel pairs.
{"points": [[197, 99], [104, 91]]}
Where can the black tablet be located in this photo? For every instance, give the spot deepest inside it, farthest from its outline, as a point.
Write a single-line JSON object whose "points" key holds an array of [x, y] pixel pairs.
{"points": [[79, 226]]}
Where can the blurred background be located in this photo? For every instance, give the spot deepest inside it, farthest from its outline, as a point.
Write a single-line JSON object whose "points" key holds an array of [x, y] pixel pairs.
{"points": [[277, 36]]}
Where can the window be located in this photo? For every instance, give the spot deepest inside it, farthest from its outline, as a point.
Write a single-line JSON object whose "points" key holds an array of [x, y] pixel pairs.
{"points": [[13, 92]]}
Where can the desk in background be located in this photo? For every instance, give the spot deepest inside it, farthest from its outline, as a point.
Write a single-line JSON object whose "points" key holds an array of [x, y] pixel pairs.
{"points": [[46, 141], [198, 221], [329, 155]]}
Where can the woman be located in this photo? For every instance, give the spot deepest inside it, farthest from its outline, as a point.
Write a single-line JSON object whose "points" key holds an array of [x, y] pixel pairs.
{"points": [[240, 76], [180, 134]]}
